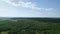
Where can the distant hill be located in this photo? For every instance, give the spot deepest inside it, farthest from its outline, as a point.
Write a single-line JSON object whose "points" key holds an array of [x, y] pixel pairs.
{"points": [[54, 20]]}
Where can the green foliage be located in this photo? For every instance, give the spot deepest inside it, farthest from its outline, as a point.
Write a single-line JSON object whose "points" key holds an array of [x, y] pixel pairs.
{"points": [[4, 32], [30, 26]]}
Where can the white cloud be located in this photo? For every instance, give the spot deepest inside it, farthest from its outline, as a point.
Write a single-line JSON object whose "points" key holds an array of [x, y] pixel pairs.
{"points": [[21, 3], [6, 12]]}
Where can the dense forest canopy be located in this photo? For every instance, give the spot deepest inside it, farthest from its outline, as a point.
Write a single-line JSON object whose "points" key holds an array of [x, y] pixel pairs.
{"points": [[30, 25]]}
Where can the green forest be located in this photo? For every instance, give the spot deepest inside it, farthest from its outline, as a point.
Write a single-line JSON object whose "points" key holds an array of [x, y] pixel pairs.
{"points": [[29, 25]]}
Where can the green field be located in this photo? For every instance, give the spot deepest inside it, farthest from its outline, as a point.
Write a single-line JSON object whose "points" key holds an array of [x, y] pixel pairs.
{"points": [[4, 32], [30, 26]]}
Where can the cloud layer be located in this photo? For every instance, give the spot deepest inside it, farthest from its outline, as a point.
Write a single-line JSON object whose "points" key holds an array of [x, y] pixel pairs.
{"points": [[6, 12], [26, 4]]}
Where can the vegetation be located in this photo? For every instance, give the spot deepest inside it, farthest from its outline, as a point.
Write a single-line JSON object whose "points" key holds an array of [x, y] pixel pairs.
{"points": [[30, 26]]}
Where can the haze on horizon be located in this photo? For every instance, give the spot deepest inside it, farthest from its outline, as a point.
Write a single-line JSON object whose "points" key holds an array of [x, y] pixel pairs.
{"points": [[29, 8]]}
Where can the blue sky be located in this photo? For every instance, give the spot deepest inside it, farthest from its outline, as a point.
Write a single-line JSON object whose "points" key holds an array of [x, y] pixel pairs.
{"points": [[29, 8]]}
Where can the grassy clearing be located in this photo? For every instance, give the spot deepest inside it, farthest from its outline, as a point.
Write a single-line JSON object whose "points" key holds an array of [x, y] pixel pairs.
{"points": [[4, 32]]}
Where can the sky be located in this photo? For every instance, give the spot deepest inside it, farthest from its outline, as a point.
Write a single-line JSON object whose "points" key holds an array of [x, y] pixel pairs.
{"points": [[29, 8]]}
